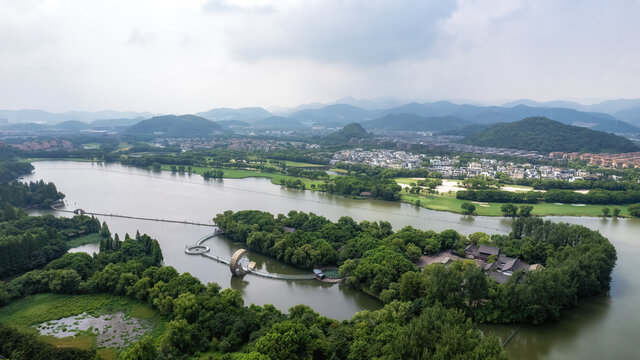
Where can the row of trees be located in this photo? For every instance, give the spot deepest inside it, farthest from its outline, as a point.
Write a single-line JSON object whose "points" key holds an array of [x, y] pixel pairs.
{"points": [[9, 170], [596, 196], [34, 194], [529, 197], [372, 257]]}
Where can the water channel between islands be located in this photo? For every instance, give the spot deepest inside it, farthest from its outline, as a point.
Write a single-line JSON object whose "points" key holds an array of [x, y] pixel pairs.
{"points": [[601, 327]]}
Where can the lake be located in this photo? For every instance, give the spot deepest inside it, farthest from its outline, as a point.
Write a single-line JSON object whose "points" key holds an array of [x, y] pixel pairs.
{"points": [[600, 327]]}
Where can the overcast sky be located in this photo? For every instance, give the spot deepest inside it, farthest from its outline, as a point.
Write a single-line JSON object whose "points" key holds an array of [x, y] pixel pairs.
{"points": [[188, 56]]}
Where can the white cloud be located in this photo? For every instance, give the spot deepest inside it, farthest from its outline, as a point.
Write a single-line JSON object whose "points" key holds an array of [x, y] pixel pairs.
{"points": [[169, 56]]}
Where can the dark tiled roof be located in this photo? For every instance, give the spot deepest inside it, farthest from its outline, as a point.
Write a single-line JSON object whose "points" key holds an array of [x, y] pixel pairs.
{"points": [[490, 250]]}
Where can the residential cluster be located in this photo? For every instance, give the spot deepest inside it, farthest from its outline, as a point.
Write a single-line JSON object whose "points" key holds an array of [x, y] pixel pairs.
{"points": [[491, 167], [623, 160], [384, 158], [45, 145], [247, 144], [450, 167]]}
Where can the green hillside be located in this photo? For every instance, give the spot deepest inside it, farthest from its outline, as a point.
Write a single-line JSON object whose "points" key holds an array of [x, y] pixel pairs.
{"points": [[412, 122], [353, 130], [174, 126], [544, 135]]}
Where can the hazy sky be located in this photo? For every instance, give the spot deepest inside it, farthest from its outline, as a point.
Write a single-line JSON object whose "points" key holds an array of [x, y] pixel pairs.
{"points": [[188, 56]]}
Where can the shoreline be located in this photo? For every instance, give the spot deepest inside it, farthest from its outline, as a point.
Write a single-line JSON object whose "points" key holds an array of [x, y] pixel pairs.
{"points": [[443, 203]]}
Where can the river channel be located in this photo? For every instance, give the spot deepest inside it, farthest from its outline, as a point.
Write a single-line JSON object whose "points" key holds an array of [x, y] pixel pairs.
{"points": [[601, 327]]}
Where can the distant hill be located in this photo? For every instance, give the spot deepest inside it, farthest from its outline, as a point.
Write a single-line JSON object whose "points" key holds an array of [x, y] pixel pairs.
{"points": [[32, 127], [353, 130], [495, 114], [467, 130], [115, 123], [242, 114], [544, 135], [174, 126], [23, 116], [72, 125], [340, 113], [411, 122], [631, 115], [280, 123], [232, 124]]}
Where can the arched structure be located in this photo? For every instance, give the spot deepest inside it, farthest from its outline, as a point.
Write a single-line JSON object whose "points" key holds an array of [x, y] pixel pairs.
{"points": [[240, 264]]}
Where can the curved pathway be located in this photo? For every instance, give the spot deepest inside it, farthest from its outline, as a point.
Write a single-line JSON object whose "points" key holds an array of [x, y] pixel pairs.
{"points": [[203, 250]]}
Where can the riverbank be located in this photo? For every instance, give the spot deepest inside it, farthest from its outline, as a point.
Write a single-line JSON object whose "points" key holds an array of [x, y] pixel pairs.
{"points": [[444, 201]]}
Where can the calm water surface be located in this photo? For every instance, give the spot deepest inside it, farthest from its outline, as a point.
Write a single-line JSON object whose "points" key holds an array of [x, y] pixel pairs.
{"points": [[602, 327]]}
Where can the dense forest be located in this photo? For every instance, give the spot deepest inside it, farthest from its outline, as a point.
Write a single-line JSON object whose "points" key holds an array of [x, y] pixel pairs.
{"points": [[578, 261], [206, 318], [29, 242], [544, 135], [34, 194], [9, 170]]}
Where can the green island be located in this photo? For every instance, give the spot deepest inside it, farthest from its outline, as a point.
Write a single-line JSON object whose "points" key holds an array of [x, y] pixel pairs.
{"points": [[430, 308]]}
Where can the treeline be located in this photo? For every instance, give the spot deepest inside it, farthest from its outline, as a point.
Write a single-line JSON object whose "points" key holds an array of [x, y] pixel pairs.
{"points": [[34, 194], [16, 345], [308, 174], [28, 242], [76, 273], [379, 188], [206, 318], [490, 195], [548, 184], [596, 196], [10, 170], [379, 171], [372, 257]]}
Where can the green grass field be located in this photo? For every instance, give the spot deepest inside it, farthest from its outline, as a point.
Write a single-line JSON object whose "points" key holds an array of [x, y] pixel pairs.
{"points": [[301, 164], [83, 240], [446, 203], [36, 309], [246, 173]]}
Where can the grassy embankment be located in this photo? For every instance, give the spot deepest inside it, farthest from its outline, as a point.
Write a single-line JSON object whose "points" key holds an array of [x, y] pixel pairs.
{"points": [[84, 240], [33, 310], [247, 173], [448, 202]]}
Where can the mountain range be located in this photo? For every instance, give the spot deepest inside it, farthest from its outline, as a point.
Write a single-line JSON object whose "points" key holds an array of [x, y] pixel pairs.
{"points": [[615, 116]]}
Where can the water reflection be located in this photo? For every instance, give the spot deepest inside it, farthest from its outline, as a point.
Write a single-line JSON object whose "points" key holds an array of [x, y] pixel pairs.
{"points": [[600, 328]]}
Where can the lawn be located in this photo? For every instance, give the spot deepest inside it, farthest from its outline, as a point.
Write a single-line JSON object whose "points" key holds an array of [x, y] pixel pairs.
{"points": [[246, 173], [93, 238], [302, 164], [445, 203], [36, 309]]}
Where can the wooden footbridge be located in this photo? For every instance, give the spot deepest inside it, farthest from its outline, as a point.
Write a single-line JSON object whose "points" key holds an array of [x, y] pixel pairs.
{"points": [[83, 212]]}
